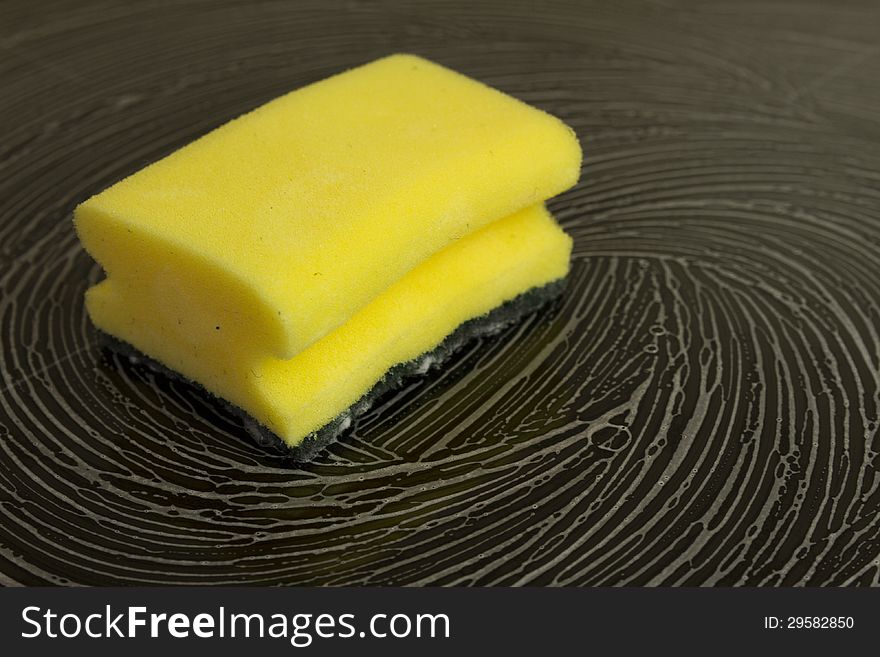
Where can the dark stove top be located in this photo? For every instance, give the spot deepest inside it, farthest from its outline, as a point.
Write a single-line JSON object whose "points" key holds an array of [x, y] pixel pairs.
{"points": [[701, 408]]}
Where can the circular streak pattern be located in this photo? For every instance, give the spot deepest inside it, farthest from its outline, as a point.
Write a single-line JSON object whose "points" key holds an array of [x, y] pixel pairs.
{"points": [[700, 408]]}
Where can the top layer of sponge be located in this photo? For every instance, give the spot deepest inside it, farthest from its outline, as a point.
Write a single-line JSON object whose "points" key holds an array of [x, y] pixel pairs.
{"points": [[307, 208]]}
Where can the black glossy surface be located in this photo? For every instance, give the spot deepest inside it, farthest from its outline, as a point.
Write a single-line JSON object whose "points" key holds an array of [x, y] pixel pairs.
{"points": [[702, 408]]}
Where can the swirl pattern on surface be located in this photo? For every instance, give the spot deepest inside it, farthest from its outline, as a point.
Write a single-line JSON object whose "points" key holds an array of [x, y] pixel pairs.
{"points": [[700, 408]]}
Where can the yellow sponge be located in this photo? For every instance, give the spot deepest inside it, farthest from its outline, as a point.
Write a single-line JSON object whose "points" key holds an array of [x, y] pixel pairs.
{"points": [[289, 259], [294, 397], [286, 221]]}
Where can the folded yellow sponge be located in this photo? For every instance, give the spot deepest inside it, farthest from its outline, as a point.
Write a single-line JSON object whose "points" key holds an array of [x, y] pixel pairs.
{"points": [[292, 258], [280, 225]]}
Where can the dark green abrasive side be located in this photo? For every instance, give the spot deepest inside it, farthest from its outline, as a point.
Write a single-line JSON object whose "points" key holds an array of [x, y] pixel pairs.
{"points": [[488, 324]]}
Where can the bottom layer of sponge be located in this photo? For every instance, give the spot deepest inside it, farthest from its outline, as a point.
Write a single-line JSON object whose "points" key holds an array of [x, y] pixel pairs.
{"points": [[300, 399], [496, 320]]}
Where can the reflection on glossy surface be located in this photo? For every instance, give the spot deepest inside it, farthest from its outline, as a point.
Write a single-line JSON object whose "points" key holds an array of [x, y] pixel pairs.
{"points": [[701, 407]]}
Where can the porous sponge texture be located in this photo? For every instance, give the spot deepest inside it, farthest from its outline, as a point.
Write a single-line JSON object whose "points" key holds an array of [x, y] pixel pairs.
{"points": [[296, 396], [301, 212]]}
